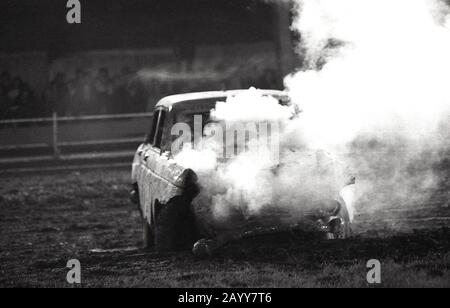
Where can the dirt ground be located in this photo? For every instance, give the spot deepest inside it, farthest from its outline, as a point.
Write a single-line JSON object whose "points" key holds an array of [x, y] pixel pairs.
{"points": [[46, 220]]}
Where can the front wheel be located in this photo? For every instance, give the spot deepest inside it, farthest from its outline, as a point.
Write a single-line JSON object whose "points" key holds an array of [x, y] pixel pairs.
{"points": [[340, 225], [175, 226]]}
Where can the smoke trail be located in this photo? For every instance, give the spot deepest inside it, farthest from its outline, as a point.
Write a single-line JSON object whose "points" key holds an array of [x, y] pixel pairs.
{"points": [[375, 87]]}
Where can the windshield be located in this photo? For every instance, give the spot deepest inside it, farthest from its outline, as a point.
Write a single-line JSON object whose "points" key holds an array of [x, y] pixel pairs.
{"points": [[224, 138]]}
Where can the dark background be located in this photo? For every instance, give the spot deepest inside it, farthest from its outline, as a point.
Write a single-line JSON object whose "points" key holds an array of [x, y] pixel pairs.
{"points": [[41, 25], [112, 62]]}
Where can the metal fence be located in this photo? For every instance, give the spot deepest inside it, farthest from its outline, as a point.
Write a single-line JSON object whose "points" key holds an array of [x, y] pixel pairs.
{"points": [[23, 138]]}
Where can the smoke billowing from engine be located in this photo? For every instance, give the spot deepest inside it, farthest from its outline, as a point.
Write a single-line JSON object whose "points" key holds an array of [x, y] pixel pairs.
{"points": [[373, 92], [278, 171], [375, 89]]}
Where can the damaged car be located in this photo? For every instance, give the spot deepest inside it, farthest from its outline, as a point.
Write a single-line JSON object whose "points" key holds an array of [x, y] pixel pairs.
{"points": [[177, 215]]}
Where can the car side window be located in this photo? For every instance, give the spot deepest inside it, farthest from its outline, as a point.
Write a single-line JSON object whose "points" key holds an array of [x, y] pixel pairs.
{"points": [[159, 128], [155, 118]]}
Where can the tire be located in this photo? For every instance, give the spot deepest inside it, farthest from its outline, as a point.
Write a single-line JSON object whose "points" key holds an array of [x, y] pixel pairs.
{"points": [[174, 227], [339, 227]]}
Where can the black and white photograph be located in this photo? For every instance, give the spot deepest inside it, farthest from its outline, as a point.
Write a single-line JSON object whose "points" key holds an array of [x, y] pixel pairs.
{"points": [[225, 149]]}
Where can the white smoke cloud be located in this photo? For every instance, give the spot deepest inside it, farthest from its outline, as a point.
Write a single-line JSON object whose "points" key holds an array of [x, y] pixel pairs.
{"points": [[296, 179], [249, 106], [376, 86]]}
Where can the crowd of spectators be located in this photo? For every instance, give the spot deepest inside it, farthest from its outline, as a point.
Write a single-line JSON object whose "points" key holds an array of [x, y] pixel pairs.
{"points": [[90, 93]]}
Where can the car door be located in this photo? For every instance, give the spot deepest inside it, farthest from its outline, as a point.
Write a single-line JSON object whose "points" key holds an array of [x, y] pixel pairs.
{"points": [[148, 175]]}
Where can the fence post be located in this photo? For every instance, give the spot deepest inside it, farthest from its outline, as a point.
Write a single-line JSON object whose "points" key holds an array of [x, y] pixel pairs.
{"points": [[55, 135]]}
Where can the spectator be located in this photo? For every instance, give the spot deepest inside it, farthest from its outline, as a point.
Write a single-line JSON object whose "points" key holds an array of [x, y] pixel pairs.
{"points": [[121, 99], [57, 95], [14, 90], [103, 90], [12, 95], [138, 96], [80, 95], [26, 103], [3, 103], [269, 80], [5, 81]]}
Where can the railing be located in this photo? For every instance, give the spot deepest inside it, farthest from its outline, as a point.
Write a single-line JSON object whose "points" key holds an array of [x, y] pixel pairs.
{"points": [[46, 132]]}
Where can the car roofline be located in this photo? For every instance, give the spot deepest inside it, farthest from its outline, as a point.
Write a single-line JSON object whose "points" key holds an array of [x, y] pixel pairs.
{"points": [[169, 101]]}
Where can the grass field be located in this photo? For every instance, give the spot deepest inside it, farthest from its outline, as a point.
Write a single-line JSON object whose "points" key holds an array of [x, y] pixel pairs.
{"points": [[46, 220]]}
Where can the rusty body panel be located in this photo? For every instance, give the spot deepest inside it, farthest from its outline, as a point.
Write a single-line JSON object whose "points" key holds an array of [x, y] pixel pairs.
{"points": [[158, 178]]}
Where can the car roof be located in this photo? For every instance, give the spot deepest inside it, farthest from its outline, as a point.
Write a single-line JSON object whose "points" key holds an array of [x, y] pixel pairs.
{"points": [[171, 100]]}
